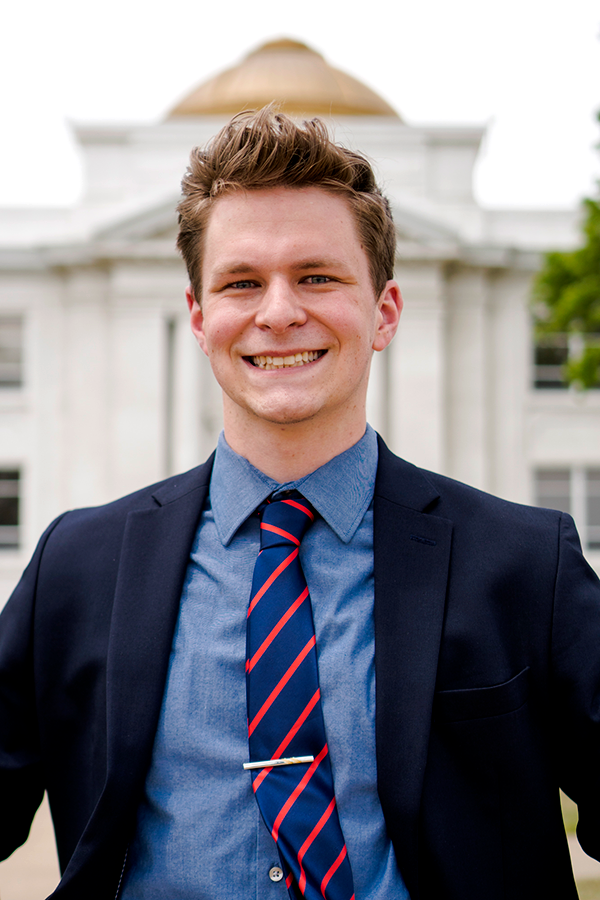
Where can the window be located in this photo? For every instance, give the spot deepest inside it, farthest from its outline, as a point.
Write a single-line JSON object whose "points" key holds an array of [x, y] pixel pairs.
{"points": [[9, 508], [551, 353], [574, 490], [11, 351], [593, 509]]}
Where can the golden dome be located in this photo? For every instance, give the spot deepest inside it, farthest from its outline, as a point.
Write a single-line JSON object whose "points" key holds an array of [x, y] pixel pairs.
{"points": [[289, 72]]}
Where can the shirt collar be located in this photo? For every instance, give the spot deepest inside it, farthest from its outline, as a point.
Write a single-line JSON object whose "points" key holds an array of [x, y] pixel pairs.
{"points": [[237, 488]]}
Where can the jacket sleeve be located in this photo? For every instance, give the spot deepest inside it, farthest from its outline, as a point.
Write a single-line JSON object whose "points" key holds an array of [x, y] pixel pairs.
{"points": [[576, 684], [21, 770]]}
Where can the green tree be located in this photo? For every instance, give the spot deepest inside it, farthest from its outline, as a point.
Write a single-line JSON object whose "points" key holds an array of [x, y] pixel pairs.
{"points": [[566, 294]]}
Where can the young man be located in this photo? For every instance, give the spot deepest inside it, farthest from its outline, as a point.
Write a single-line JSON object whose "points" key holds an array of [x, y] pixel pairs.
{"points": [[159, 677]]}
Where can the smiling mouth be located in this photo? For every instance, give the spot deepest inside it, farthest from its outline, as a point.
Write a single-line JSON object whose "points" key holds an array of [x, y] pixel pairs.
{"points": [[285, 362]]}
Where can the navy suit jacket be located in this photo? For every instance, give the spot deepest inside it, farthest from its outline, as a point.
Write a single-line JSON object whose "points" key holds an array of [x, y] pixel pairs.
{"points": [[487, 654]]}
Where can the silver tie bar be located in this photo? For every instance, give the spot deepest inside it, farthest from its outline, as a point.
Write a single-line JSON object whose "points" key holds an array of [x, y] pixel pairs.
{"points": [[286, 761]]}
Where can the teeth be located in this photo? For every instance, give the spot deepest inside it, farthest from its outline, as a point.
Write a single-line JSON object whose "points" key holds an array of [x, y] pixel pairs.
{"points": [[286, 362]]}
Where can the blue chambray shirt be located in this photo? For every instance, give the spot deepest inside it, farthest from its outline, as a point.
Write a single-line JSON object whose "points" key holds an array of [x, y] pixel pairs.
{"points": [[199, 832]]}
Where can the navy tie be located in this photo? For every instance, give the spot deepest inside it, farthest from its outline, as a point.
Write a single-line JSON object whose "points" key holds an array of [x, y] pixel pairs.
{"points": [[285, 721]]}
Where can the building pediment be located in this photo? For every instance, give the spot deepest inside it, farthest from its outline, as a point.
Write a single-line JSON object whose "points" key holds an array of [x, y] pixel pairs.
{"points": [[149, 233], [158, 224], [155, 222], [421, 236], [160, 221]]}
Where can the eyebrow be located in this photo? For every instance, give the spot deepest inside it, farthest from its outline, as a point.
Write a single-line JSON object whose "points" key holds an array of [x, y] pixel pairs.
{"points": [[302, 266], [323, 263], [238, 269]]}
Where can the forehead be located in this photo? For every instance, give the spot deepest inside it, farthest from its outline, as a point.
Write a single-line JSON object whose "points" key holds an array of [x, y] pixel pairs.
{"points": [[280, 217]]}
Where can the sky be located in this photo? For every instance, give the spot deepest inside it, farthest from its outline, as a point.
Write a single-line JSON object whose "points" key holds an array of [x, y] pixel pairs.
{"points": [[528, 70]]}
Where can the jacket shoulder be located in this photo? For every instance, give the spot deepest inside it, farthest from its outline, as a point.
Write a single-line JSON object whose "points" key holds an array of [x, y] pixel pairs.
{"points": [[98, 531], [408, 485], [158, 494]]}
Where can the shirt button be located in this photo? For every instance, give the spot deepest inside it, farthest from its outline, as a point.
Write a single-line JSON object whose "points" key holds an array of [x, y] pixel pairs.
{"points": [[275, 873]]}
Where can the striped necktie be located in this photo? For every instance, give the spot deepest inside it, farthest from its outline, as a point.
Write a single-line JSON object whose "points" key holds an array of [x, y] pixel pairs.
{"points": [[285, 721]]}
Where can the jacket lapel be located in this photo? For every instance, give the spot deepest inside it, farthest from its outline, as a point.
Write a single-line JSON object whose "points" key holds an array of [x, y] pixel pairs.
{"points": [[155, 552], [411, 550]]}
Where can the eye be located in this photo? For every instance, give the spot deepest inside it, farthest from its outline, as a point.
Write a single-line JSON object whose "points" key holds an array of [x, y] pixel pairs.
{"points": [[242, 285], [318, 279]]}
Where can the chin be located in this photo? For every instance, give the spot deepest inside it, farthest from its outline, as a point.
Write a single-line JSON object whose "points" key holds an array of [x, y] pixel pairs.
{"points": [[286, 418], [283, 416]]}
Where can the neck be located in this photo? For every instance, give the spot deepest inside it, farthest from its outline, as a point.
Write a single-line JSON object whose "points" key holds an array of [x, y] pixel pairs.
{"points": [[288, 452]]}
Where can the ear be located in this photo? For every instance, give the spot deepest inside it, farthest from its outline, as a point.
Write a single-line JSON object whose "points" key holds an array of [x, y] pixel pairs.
{"points": [[389, 307], [196, 318]]}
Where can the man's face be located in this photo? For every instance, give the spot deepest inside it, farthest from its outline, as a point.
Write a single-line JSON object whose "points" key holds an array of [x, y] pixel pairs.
{"points": [[288, 316]]}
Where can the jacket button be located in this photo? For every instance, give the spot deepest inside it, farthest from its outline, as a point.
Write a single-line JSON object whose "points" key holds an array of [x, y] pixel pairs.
{"points": [[275, 873]]}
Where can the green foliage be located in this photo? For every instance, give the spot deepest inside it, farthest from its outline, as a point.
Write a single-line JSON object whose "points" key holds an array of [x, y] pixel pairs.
{"points": [[567, 296]]}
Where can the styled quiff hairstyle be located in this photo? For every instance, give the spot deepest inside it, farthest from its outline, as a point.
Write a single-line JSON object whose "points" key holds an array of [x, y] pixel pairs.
{"points": [[267, 149]]}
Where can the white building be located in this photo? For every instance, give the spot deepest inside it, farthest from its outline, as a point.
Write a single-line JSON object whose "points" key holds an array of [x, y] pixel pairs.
{"points": [[103, 390]]}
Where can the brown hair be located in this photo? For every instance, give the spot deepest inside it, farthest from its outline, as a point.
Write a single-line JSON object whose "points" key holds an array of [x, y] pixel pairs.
{"points": [[267, 149]]}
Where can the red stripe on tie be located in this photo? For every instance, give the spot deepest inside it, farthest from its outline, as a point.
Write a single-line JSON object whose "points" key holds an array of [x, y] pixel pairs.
{"points": [[296, 793], [280, 568], [309, 840], [281, 684], [288, 738], [276, 530], [288, 881], [303, 508], [333, 870], [250, 663], [298, 723]]}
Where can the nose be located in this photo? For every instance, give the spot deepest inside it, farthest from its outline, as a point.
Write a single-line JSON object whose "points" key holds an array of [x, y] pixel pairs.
{"points": [[280, 308]]}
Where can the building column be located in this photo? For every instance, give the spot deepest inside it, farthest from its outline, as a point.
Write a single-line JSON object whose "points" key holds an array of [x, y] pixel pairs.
{"points": [[469, 378], [416, 420], [510, 361]]}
